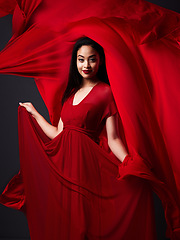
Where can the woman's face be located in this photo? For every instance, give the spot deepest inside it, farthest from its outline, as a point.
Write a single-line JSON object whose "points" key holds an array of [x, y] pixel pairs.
{"points": [[88, 61]]}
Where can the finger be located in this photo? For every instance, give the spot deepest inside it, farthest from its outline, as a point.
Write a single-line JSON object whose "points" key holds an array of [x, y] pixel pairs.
{"points": [[23, 105], [26, 103]]}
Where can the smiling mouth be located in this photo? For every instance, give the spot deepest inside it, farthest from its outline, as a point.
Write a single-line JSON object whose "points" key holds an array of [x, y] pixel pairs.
{"points": [[86, 71]]}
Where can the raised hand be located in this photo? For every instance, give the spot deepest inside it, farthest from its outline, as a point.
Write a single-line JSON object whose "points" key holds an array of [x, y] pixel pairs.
{"points": [[50, 130], [30, 108]]}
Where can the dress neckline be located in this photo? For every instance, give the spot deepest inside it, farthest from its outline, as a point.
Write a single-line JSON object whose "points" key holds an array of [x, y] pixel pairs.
{"points": [[84, 97]]}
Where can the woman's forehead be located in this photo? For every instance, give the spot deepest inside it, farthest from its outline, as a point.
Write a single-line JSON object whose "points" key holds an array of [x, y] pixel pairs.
{"points": [[86, 51]]}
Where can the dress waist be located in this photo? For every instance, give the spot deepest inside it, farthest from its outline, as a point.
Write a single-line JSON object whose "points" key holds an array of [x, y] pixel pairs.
{"points": [[92, 134]]}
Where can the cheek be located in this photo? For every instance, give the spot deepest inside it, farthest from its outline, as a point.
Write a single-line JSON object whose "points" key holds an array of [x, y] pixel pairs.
{"points": [[79, 65], [96, 67]]}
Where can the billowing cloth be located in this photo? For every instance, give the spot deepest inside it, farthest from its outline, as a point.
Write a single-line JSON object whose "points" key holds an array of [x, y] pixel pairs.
{"points": [[141, 44], [71, 186]]}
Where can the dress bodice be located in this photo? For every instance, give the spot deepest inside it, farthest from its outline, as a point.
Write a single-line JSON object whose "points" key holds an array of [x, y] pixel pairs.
{"points": [[91, 113]]}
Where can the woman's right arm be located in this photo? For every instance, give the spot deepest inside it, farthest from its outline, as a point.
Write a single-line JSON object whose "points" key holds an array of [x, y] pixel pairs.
{"points": [[50, 130]]}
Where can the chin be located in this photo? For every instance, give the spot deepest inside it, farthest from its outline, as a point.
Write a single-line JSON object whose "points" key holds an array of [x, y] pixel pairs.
{"points": [[87, 76]]}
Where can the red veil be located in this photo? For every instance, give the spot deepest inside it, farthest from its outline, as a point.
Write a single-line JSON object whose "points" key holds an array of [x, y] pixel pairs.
{"points": [[141, 44]]}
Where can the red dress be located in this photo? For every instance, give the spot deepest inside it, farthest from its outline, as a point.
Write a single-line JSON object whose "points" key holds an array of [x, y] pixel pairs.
{"points": [[69, 187]]}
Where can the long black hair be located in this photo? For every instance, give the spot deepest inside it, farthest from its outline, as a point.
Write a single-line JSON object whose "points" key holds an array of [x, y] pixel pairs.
{"points": [[75, 79]]}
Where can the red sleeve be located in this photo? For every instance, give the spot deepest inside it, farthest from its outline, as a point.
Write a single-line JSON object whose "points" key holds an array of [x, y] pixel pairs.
{"points": [[111, 108]]}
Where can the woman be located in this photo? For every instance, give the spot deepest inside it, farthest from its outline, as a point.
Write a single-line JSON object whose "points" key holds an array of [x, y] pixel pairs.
{"points": [[91, 70], [71, 189]]}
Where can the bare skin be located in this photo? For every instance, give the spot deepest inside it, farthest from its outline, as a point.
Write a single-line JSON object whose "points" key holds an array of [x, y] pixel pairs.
{"points": [[87, 60]]}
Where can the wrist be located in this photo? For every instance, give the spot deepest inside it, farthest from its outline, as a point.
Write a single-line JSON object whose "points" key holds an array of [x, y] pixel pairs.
{"points": [[125, 158], [36, 115], [128, 158]]}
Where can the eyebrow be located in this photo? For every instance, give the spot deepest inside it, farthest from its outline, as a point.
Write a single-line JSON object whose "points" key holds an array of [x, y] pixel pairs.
{"points": [[94, 55]]}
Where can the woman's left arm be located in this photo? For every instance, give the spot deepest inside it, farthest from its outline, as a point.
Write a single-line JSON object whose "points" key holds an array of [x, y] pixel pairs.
{"points": [[115, 143]]}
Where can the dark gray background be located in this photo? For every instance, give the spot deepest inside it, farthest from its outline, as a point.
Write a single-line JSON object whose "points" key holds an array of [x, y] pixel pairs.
{"points": [[13, 224]]}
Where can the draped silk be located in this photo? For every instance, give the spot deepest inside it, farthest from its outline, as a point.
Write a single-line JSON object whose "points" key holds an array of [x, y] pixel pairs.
{"points": [[142, 48]]}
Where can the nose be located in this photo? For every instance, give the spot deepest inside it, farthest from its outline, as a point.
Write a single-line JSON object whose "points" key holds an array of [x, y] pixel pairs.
{"points": [[86, 64]]}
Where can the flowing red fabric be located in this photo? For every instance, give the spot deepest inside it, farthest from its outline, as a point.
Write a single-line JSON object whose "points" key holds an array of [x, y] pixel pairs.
{"points": [[141, 44]]}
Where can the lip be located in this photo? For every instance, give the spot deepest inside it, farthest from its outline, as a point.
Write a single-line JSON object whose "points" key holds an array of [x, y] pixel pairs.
{"points": [[86, 71]]}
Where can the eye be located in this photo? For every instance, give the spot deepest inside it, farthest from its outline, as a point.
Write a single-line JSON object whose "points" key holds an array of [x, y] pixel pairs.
{"points": [[80, 59], [93, 59]]}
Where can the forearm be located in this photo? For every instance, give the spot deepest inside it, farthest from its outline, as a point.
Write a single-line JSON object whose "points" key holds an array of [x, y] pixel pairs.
{"points": [[118, 148], [50, 130]]}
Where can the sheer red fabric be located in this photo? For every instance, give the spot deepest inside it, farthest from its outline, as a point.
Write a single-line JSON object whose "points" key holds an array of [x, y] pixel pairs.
{"points": [[70, 183], [141, 44]]}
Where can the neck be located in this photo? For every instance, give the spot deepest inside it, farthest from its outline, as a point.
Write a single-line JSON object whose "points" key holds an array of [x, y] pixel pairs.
{"points": [[89, 82]]}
